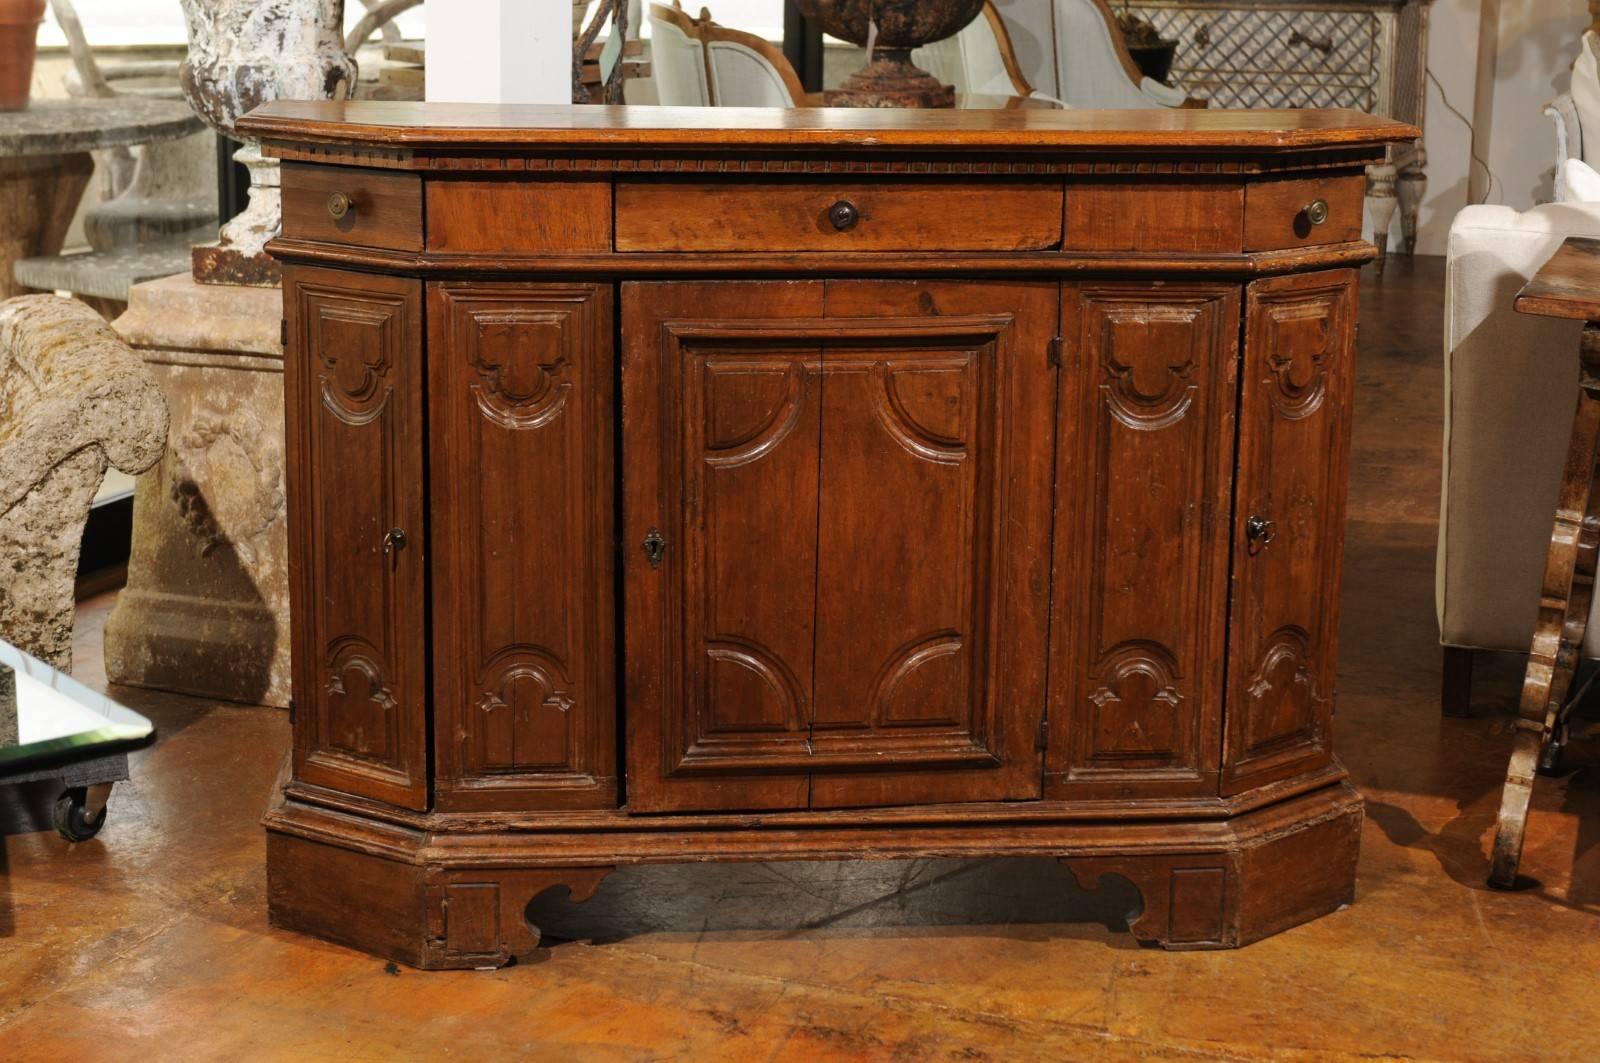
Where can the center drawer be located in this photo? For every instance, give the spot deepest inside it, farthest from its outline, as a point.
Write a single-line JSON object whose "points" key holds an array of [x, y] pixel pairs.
{"points": [[856, 215]]}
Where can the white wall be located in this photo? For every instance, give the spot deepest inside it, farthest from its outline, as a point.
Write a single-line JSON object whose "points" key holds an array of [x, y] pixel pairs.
{"points": [[1534, 43]]}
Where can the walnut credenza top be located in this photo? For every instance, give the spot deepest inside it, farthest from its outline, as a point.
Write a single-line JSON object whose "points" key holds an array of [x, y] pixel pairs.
{"points": [[704, 190]]}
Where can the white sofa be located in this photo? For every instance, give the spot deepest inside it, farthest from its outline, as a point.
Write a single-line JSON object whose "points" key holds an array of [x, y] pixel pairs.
{"points": [[1510, 392]]}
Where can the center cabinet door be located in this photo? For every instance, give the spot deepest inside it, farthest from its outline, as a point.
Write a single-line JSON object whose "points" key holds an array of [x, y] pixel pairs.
{"points": [[836, 538]]}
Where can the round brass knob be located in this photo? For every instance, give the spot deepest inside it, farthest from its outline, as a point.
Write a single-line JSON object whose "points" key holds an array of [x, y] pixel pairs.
{"points": [[339, 205], [844, 215], [1316, 211]]}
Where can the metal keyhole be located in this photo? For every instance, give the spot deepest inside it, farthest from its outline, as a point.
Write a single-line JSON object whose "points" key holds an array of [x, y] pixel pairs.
{"points": [[654, 547], [394, 540], [1259, 533]]}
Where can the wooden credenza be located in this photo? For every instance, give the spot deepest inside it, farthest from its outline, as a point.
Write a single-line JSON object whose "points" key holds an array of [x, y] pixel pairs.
{"points": [[676, 486]]}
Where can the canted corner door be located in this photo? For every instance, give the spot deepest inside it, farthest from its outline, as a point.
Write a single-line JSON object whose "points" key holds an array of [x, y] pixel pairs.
{"points": [[353, 401], [1294, 441], [836, 531]]}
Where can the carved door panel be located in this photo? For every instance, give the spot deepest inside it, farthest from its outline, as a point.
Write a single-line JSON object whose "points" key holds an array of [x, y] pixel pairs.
{"points": [[933, 554], [1294, 414], [523, 502], [721, 413], [1146, 438], [354, 416], [851, 482]]}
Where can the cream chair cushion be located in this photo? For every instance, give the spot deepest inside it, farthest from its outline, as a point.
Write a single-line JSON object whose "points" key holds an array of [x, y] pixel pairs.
{"points": [[1510, 390], [1582, 182]]}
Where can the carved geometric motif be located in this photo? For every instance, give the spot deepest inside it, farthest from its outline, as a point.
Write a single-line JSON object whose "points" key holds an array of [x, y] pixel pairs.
{"points": [[521, 360], [923, 684], [525, 693], [1150, 362], [361, 701], [752, 690], [1283, 690], [923, 405], [1300, 339], [1137, 702], [353, 346]]}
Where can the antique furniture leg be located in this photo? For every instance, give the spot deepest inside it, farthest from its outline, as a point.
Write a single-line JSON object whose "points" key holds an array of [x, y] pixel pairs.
{"points": [[1382, 201], [1455, 688], [1410, 188], [1563, 615]]}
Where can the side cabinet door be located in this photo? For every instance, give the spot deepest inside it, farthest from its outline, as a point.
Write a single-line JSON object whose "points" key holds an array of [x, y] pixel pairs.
{"points": [[1143, 497], [524, 653], [357, 533], [1288, 533]]}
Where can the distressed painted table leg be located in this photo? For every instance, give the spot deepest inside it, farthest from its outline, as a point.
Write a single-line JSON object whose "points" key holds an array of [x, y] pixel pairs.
{"points": [[1410, 188], [1382, 200], [1564, 602]]}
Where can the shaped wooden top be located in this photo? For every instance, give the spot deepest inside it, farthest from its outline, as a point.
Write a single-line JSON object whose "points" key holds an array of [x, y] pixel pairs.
{"points": [[1568, 285], [464, 127]]}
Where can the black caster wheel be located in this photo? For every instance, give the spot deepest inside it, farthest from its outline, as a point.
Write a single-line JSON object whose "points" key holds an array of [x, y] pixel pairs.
{"points": [[71, 817]]}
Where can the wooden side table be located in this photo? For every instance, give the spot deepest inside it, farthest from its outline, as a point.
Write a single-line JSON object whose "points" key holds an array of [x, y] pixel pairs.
{"points": [[1567, 286]]}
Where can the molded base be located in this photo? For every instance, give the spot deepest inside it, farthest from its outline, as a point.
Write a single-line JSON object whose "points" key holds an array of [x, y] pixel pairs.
{"points": [[436, 900]]}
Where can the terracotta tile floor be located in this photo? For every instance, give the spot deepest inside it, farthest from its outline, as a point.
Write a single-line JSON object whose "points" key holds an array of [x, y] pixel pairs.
{"points": [[152, 941]]}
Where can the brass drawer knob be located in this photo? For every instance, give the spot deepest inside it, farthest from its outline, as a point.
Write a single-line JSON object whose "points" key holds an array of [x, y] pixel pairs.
{"points": [[844, 215], [1316, 211], [339, 205], [394, 540]]}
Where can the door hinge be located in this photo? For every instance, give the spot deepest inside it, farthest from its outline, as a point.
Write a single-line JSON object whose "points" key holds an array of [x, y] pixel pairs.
{"points": [[283, 333], [291, 712], [1057, 347], [1042, 740]]}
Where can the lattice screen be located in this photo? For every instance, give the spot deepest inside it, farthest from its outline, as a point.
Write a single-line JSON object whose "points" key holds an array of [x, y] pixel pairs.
{"points": [[1275, 57]]}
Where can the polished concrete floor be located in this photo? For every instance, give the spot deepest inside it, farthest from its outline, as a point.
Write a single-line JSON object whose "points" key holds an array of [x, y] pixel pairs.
{"points": [[152, 940]]}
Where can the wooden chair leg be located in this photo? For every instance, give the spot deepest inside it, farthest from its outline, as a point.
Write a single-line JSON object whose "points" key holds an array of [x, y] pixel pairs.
{"points": [[1455, 689], [1564, 601]]}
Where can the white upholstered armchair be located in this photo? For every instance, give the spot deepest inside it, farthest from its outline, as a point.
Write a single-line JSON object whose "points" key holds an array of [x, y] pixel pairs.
{"points": [[1510, 389]]}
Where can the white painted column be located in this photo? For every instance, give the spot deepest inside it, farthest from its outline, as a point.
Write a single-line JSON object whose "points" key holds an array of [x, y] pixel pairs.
{"points": [[500, 51]]}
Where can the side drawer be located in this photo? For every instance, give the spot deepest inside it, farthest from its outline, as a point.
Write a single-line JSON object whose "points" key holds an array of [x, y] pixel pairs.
{"points": [[1278, 213], [351, 205], [837, 216]]}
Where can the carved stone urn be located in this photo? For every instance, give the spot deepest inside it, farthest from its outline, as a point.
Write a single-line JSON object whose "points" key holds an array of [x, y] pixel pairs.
{"points": [[890, 29], [243, 53]]}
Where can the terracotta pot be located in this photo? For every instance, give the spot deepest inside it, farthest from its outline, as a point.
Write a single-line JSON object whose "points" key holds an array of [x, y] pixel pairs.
{"points": [[19, 38]]}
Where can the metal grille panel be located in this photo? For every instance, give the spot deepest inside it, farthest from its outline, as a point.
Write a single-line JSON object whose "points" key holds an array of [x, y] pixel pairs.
{"points": [[1265, 57]]}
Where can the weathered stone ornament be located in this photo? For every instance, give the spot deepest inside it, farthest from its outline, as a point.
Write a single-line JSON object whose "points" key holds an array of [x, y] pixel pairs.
{"points": [[243, 53], [894, 27]]}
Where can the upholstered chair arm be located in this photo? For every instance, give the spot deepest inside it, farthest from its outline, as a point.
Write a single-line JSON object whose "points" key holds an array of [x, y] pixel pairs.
{"points": [[68, 382], [1563, 114], [1165, 95]]}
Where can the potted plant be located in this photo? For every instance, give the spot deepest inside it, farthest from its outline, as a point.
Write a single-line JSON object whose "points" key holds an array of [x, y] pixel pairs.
{"points": [[1152, 53], [19, 33]]}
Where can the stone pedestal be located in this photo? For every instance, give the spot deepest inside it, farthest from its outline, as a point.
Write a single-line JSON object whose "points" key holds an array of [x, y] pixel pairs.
{"points": [[9, 733], [206, 608]]}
